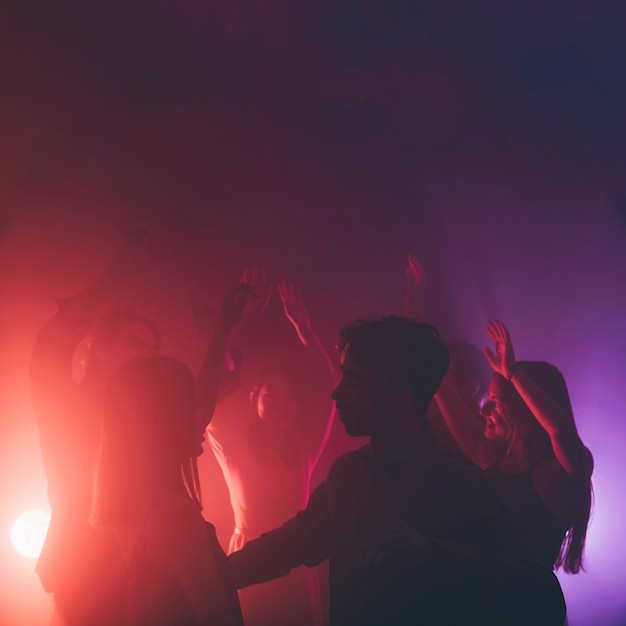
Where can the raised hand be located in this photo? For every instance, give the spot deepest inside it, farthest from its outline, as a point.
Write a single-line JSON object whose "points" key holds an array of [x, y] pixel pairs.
{"points": [[234, 303], [503, 360], [415, 285], [293, 305], [255, 277]]}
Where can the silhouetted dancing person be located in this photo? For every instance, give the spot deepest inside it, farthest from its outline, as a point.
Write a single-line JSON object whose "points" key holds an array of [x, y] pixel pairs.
{"points": [[415, 534], [267, 456], [148, 494], [530, 447], [79, 565]]}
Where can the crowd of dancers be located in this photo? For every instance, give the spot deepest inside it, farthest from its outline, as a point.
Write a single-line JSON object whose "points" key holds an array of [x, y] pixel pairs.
{"points": [[467, 498]]}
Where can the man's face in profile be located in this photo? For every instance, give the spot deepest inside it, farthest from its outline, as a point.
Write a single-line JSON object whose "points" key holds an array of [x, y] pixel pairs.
{"points": [[360, 397]]}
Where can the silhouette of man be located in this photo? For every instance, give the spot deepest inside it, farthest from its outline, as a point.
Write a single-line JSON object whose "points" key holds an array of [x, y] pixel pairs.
{"points": [[415, 534]]}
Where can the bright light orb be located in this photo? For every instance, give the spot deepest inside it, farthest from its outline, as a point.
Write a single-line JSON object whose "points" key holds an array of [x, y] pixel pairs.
{"points": [[29, 532]]}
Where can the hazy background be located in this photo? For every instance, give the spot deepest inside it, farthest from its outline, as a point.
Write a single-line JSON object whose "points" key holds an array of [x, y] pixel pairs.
{"points": [[325, 140]]}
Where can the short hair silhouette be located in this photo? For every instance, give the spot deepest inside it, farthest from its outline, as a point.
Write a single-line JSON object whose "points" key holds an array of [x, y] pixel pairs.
{"points": [[401, 351]]}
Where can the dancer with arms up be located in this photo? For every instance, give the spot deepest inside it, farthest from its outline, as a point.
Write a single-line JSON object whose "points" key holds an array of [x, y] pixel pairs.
{"points": [[80, 565], [527, 440], [415, 534], [267, 453]]}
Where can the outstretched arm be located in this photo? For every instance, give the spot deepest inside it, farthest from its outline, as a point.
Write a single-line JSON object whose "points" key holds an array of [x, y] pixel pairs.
{"points": [[568, 448], [297, 313], [303, 540]]}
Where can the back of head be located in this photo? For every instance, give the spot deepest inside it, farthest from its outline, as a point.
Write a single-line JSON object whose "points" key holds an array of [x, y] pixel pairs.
{"points": [[149, 430], [402, 351], [109, 326]]}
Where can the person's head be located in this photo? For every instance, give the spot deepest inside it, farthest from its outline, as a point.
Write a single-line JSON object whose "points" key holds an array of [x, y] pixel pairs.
{"points": [[470, 371], [391, 367], [508, 418], [117, 336], [151, 436], [277, 397]]}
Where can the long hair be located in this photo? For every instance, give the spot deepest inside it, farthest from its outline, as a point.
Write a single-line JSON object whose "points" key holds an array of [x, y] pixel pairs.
{"points": [[522, 423], [149, 436]]}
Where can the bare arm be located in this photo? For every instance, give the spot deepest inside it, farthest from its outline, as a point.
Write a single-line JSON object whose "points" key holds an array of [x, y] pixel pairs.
{"points": [[51, 367], [461, 421], [568, 448], [211, 371], [323, 410]]}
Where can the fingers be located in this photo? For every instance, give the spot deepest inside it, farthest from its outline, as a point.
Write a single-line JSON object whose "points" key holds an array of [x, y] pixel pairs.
{"points": [[288, 292], [490, 357], [416, 267], [254, 276], [498, 332], [283, 291]]}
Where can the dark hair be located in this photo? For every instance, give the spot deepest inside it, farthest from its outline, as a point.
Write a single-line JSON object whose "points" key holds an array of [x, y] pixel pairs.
{"points": [[522, 421], [149, 431], [402, 351], [108, 326]]}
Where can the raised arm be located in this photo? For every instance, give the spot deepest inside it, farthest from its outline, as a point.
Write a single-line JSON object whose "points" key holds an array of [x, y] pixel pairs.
{"points": [[297, 313], [559, 423], [460, 419], [51, 366], [322, 409], [211, 371]]}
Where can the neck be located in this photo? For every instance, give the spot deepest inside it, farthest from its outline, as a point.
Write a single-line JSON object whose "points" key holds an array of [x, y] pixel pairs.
{"points": [[399, 437], [273, 436]]}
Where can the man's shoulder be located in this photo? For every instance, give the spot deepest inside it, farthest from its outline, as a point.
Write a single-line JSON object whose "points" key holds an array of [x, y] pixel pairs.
{"points": [[452, 466], [349, 460]]}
